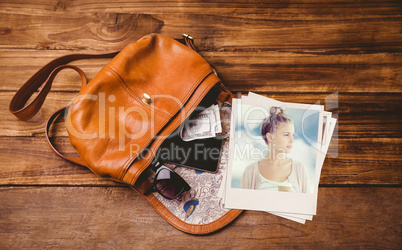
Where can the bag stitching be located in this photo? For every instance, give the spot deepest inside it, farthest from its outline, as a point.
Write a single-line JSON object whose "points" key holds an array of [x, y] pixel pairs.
{"points": [[168, 132], [210, 227], [128, 163]]}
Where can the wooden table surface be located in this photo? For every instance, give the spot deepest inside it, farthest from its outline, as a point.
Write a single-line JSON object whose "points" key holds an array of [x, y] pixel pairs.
{"points": [[343, 54]]}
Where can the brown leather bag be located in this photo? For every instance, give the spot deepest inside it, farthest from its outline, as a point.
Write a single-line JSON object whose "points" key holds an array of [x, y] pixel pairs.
{"points": [[121, 117]]}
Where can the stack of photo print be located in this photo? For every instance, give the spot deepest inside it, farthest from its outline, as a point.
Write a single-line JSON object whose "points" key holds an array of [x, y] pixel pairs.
{"points": [[276, 153]]}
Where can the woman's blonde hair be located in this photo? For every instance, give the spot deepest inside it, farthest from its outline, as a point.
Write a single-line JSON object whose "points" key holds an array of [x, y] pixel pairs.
{"points": [[271, 123]]}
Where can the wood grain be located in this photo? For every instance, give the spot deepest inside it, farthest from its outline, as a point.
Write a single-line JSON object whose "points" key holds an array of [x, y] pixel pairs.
{"points": [[99, 217], [29, 161], [265, 71], [238, 27], [344, 55], [359, 115], [275, 8]]}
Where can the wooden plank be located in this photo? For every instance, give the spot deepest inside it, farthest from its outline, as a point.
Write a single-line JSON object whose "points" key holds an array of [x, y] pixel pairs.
{"points": [[18, 66], [294, 8], [11, 126], [266, 71], [97, 218], [29, 161], [306, 32], [311, 72], [235, 7], [75, 31], [346, 55], [359, 115]]}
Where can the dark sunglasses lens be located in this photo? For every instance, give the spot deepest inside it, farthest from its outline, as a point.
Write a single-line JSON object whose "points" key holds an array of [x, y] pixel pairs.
{"points": [[168, 183]]}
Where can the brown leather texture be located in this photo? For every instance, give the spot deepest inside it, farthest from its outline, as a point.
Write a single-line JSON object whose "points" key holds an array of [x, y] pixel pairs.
{"points": [[203, 229], [108, 123], [120, 118]]}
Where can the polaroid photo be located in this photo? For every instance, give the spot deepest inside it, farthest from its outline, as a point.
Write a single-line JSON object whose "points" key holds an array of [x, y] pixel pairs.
{"points": [[300, 218], [328, 121], [258, 99], [295, 217], [327, 134], [253, 98], [248, 187]]}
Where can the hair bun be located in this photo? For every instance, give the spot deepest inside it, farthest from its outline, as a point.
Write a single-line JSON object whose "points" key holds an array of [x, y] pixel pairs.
{"points": [[276, 111]]}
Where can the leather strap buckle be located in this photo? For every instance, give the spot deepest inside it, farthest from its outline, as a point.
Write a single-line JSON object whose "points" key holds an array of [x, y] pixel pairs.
{"points": [[188, 36]]}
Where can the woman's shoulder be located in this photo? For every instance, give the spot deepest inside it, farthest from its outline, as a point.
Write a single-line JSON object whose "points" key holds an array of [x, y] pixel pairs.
{"points": [[298, 166], [251, 167], [299, 177], [249, 179], [297, 163]]}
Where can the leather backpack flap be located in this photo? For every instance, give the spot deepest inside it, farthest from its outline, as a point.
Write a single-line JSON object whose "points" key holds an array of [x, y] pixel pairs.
{"points": [[110, 125]]}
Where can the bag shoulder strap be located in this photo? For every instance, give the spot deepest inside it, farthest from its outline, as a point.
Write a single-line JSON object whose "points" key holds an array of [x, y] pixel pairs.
{"points": [[43, 80], [76, 160]]}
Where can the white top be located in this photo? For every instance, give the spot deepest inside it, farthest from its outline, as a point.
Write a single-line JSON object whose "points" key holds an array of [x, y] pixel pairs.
{"points": [[269, 185], [298, 177]]}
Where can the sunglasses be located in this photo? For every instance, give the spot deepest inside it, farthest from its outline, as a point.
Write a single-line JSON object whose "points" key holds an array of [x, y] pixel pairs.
{"points": [[168, 183]]}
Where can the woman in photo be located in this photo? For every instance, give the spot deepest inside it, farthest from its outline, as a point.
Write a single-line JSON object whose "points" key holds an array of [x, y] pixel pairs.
{"points": [[277, 172]]}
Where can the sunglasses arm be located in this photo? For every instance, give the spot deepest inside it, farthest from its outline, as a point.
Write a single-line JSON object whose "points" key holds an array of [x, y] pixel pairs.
{"points": [[155, 166], [144, 185]]}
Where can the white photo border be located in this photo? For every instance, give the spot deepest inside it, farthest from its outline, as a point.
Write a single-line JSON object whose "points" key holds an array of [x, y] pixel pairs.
{"points": [[299, 203]]}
